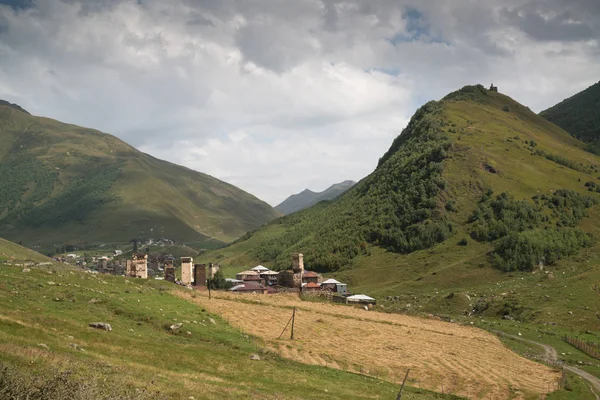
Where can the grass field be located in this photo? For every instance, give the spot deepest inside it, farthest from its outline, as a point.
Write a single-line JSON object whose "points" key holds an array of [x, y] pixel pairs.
{"points": [[44, 317], [441, 356]]}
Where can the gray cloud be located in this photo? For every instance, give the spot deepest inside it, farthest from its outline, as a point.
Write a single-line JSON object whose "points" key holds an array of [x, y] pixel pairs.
{"points": [[556, 20], [276, 96]]}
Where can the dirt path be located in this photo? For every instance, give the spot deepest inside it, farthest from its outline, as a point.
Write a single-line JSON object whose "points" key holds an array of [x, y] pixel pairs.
{"points": [[551, 356]]}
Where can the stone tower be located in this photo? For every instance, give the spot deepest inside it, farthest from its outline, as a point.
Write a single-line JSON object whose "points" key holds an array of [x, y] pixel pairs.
{"points": [[298, 263], [169, 271], [139, 266], [211, 270], [187, 270], [200, 276]]}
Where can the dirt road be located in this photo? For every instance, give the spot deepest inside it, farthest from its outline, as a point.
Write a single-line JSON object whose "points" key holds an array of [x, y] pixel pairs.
{"points": [[551, 357]]}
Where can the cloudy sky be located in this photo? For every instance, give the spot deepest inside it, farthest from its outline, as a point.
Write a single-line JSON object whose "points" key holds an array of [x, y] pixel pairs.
{"points": [[276, 96]]}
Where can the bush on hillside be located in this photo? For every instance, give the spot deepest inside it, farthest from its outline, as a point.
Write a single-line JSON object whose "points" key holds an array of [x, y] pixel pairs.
{"points": [[525, 250], [525, 234], [501, 216]]}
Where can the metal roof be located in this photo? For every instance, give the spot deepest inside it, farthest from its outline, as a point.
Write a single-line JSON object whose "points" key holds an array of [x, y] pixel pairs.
{"points": [[359, 297], [331, 280], [247, 273]]}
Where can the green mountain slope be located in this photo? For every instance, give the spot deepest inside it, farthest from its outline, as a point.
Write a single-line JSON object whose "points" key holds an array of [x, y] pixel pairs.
{"points": [[579, 115], [475, 194], [12, 252], [308, 198], [63, 183]]}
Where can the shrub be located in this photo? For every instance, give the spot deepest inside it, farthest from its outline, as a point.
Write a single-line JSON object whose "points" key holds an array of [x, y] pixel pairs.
{"points": [[525, 250], [450, 205], [524, 233]]}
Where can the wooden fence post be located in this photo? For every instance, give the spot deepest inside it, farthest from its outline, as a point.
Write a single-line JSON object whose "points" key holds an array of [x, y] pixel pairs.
{"points": [[399, 397]]}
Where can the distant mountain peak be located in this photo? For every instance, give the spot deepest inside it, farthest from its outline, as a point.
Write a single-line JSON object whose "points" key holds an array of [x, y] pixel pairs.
{"points": [[308, 198], [12, 105]]}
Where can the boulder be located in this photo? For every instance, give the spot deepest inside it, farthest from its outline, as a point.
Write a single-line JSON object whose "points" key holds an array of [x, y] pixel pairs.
{"points": [[255, 357], [101, 325], [174, 327], [212, 321]]}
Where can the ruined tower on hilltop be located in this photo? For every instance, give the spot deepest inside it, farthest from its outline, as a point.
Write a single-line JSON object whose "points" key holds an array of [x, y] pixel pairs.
{"points": [[493, 88], [187, 270]]}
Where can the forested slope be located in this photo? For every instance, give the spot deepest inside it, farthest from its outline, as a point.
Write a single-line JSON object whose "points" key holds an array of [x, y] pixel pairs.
{"points": [[476, 189], [580, 116]]}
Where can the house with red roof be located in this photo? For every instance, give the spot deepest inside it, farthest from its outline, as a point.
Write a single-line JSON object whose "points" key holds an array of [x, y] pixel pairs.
{"points": [[311, 287], [311, 277]]}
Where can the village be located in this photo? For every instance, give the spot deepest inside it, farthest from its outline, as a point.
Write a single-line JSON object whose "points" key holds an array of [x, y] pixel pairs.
{"points": [[256, 280]]}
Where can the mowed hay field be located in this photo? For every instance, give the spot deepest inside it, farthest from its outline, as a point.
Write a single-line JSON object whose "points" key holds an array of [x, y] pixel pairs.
{"points": [[443, 357]]}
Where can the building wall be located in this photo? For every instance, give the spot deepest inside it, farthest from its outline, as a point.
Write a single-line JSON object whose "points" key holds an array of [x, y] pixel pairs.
{"points": [[187, 273], [309, 279], [200, 275], [169, 271], [290, 279], [139, 266], [212, 270], [298, 263]]}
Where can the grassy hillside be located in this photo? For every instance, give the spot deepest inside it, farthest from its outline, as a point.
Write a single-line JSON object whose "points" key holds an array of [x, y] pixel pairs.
{"points": [[62, 183], [456, 219], [580, 116], [13, 253], [48, 351]]}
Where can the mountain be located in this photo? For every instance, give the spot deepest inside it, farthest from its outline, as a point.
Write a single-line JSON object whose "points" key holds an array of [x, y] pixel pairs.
{"points": [[307, 197], [580, 116], [61, 183], [479, 207]]}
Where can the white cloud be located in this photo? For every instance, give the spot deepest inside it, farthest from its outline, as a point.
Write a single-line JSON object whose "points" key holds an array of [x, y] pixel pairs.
{"points": [[278, 96]]}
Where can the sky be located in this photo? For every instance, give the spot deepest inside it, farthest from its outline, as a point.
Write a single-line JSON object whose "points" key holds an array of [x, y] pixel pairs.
{"points": [[275, 96]]}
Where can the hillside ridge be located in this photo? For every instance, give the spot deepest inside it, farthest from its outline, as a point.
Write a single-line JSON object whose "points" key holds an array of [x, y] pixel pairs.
{"points": [[61, 183], [12, 105], [580, 116], [308, 198], [474, 192]]}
